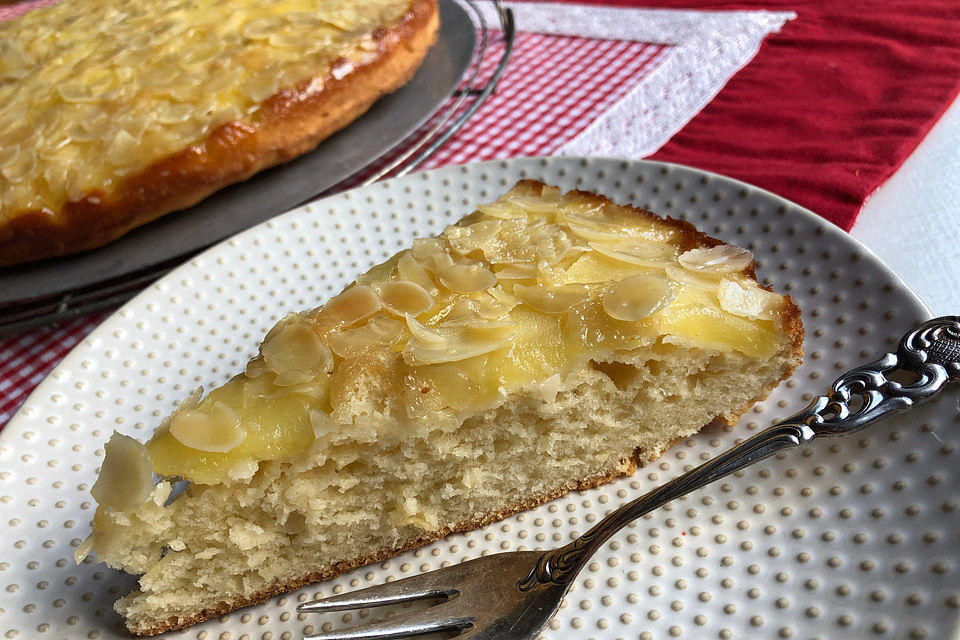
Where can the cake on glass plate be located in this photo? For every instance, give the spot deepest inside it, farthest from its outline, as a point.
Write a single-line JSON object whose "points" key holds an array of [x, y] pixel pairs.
{"points": [[546, 342]]}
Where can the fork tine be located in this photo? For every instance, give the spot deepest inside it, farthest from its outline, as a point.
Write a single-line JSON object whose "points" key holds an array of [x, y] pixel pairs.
{"points": [[415, 587], [415, 623]]}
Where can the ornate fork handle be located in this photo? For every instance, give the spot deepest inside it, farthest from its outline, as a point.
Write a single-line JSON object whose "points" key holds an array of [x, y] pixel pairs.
{"points": [[929, 355]]}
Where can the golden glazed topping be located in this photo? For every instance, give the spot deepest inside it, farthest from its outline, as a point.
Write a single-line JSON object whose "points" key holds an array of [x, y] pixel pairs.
{"points": [[87, 97], [528, 287]]}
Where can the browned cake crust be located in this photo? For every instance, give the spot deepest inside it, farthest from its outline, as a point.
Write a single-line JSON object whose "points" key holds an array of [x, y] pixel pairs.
{"points": [[690, 238], [290, 123]]}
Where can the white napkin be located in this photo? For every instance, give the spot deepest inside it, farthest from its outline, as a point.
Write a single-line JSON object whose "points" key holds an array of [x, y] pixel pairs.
{"points": [[708, 48]]}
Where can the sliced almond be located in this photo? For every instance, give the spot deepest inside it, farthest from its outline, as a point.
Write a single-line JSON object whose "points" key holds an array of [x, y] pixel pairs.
{"points": [[496, 303], [316, 388], [551, 300], [502, 210], [126, 475], [474, 237], [75, 93], [437, 263], [702, 279], [261, 28], [587, 216], [637, 297], [175, 113], [354, 304], [511, 244], [541, 229], [556, 247], [14, 61], [192, 400], [256, 367], [551, 194], [517, 271], [503, 297], [8, 155], [409, 269], [641, 253], [615, 227], [463, 311], [748, 301], [467, 278], [293, 378], [432, 254], [546, 203], [81, 552], [389, 329], [20, 170], [378, 333], [424, 334], [476, 323], [122, 148], [296, 347], [218, 431], [423, 248], [458, 345], [723, 258], [597, 232], [404, 297]]}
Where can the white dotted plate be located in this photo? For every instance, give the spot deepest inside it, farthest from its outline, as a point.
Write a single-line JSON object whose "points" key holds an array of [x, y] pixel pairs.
{"points": [[849, 538]]}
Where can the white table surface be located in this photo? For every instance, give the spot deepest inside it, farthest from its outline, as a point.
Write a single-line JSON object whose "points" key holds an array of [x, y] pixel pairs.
{"points": [[912, 222]]}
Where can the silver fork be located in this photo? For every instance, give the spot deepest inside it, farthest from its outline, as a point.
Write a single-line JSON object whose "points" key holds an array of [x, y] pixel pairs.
{"points": [[511, 596]]}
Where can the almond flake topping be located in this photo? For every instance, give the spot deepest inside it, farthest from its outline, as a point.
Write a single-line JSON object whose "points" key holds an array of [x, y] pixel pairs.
{"points": [[637, 297], [467, 278], [126, 476], [353, 305], [723, 258], [218, 431], [747, 300], [296, 347], [552, 300], [404, 297], [514, 295]]}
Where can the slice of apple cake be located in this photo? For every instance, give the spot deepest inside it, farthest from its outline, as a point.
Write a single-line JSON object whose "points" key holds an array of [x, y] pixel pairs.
{"points": [[546, 342]]}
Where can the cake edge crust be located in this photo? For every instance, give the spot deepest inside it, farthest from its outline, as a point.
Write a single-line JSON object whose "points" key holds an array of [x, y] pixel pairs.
{"points": [[290, 123]]}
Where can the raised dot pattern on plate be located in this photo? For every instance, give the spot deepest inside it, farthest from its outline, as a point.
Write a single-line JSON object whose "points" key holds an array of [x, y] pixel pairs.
{"points": [[849, 538]]}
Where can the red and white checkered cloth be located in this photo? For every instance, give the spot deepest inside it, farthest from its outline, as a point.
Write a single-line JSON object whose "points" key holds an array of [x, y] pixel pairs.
{"points": [[554, 87], [27, 358]]}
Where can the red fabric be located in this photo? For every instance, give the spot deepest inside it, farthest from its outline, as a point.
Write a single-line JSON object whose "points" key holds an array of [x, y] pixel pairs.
{"points": [[832, 105]]}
